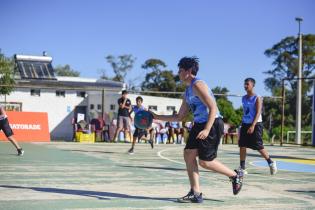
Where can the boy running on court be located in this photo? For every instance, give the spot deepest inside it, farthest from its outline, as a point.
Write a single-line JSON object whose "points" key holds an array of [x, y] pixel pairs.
{"points": [[139, 133], [5, 127], [206, 132], [252, 128]]}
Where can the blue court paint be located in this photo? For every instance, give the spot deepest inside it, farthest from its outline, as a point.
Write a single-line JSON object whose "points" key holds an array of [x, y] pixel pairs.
{"points": [[282, 165]]}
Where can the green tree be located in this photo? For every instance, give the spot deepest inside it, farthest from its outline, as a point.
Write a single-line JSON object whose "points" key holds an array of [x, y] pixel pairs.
{"points": [[103, 74], [153, 79], [219, 90], [154, 64], [66, 70], [230, 115], [285, 65], [180, 87], [121, 65], [159, 79], [6, 74]]}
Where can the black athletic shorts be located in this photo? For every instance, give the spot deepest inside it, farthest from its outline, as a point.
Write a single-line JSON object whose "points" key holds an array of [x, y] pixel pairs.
{"points": [[5, 126], [207, 148], [254, 140], [140, 132]]}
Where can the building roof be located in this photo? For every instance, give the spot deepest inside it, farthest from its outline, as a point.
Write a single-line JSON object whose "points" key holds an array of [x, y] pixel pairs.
{"points": [[37, 71], [34, 67], [76, 83]]}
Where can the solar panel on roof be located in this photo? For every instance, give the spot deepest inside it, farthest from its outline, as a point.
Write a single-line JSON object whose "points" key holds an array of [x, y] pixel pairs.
{"points": [[35, 67]]}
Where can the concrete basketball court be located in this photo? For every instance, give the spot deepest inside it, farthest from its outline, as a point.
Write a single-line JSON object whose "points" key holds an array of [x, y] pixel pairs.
{"points": [[63, 175]]}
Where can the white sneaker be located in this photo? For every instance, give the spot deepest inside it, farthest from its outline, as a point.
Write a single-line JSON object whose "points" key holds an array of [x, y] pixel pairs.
{"points": [[243, 170], [20, 152], [273, 168], [130, 151]]}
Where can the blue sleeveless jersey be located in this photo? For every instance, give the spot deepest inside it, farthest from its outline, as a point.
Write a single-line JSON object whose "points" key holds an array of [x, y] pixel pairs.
{"points": [[249, 109], [136, 109], [199, 109]]}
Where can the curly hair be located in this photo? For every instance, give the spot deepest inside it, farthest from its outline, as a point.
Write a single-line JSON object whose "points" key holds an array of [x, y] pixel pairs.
{"points": [[249, 79], [139, 98], [189, 63]]}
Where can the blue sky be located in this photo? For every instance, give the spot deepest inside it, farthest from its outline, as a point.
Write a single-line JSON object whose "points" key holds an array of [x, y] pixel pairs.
{"points": [[229, 37]]}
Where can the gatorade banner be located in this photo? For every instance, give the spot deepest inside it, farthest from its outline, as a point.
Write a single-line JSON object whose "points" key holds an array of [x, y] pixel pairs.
{"points": [[28, 126]]}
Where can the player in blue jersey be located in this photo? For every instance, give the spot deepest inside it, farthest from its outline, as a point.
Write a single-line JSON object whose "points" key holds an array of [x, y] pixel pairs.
{"points": [[139, 133], [206, 132], [252, 128]]}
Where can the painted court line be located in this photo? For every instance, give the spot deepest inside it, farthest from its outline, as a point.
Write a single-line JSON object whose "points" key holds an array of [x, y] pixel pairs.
{"points": [[159, 153]]}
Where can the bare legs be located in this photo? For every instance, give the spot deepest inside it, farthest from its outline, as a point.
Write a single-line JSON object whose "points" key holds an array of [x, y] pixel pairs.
{"points": [[217, 166], [193, 172], [264, 153], [14, 142], [192, 168], [116, 133]]}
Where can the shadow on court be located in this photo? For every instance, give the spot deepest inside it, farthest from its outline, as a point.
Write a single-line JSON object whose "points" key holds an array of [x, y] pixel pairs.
{"points": [[95, 194], [78, 150], [302, 191], [155, 168], [87, 193], [165, 168], [256, 173], [6, 154]]}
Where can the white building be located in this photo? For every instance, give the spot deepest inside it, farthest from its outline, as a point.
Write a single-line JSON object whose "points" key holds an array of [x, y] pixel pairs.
{"points": [[38, 90]]}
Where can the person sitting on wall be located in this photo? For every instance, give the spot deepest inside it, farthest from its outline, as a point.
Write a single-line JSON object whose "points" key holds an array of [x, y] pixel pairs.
{"points": [[83, 126], [98, 126], [226, 131], [160, 130], [232, 131], [174, 128]]}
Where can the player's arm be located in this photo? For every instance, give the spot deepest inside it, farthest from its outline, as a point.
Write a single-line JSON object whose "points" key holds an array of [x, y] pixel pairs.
{"points": [[131, 111], [183, 111], [2, 111], [120, 104], [201, 90], [258, 113], [123, 104], [129, 107]]}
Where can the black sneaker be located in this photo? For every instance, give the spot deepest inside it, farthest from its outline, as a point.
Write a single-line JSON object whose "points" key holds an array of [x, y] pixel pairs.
{"points": [[191, 198], [151, 142], [20, 152], [237, 181], [130, 151]]}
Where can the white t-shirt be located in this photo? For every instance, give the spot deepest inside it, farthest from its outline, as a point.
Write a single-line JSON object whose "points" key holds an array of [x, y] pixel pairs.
{"points": [[2, 116]]}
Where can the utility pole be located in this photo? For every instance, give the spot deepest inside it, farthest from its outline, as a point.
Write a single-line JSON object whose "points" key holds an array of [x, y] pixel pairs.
{"points": [[299, 89]]}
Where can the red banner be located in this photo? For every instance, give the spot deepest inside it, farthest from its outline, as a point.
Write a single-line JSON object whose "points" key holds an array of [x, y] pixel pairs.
{"points": [[28, 126]]}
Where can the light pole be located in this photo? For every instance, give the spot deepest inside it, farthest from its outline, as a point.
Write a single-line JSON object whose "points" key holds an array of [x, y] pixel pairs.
{"points": [[299, 88]]}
